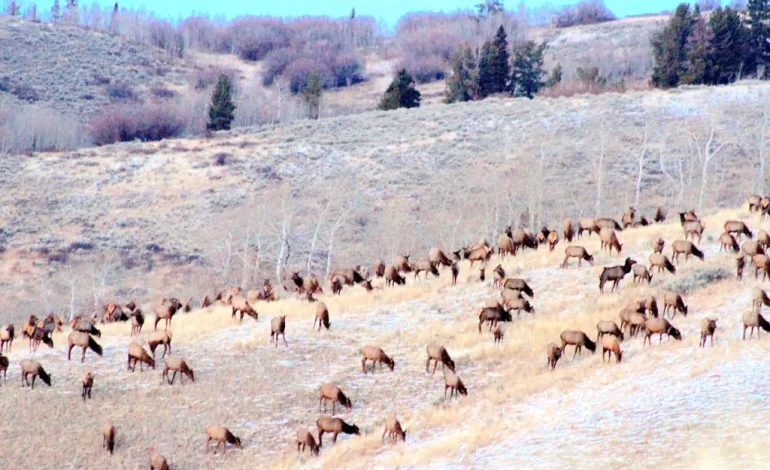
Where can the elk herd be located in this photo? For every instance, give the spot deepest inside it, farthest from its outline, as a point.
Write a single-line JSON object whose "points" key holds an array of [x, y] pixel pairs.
{"points": [[639, 317]]}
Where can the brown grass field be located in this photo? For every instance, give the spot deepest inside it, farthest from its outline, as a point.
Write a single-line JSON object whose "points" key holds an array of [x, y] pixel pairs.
{"points": [[670, 404]]}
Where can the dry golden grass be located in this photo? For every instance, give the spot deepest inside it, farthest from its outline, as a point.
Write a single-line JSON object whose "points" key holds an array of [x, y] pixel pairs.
{"points": [[515, 407]]}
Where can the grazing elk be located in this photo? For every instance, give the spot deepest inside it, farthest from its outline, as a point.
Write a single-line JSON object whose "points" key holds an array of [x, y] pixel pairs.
{"points": [[660, 261], [426, 267], [609, 240], [577, 339], [393, 430], [332, 393], [453, 383], [334, 426], [615, 274], [738, 228], [241, 305], [175, 364], [222, 436], [437, 257], [322, 316], [576, 252], [707, 328], [84, 341], [518, 284], [108, 436], [673, 301], [553, 240], [585, 225], [85, 325], [659, 326], [30, 367], [438, 353], [158, 338], [610, 344], [402, 263], [727, 242], [305, 439], [136, 353], [553, 353], [641, 274], [392, 277], [375, 354], [608, 327], [759, 298], [686, 248], [753, 319]]}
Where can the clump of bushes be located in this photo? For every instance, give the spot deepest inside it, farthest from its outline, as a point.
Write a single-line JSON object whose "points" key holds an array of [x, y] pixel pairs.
{"points": [[336, 67], [585, 12], [127, 123], [696, 279], [253, 38], [121, 92]]}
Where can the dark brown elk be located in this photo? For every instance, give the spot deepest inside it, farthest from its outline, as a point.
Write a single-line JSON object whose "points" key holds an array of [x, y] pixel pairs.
{"points": [[553, 353], [761, 263], [694, 229], [175, 364], [759, 298], [764, 206], [660, 327], [642, 222], [375, 354], [576, 252], [84, 341], [455, 272], [727, 242], [438, 353], [482, 275], [763, 238], [567, 230], [657, 245], [165, 311], [499, 332], [392, 277], [542, 236], [393, 430], [627, 219], [426, 267], [136, 353], [660, 261], [332, 393], [659, 215], [379, 268], [278, 328], [87, 379], [641, 274], [30, 367], [740, 264], [321, 316], [108, 436], [85, 325], [738, 228], [402, 263], [753, 319], [673, 301], [334, 426], [585, 225], [610, 344], [577, 339], [615, 274], [754, 201], [453, 383], [222, 436], [518, 284], [158, 338], [437, 257], [751, 248], [522, 239], [305, 439], [707, 328], [337, 284], [689, 216], [350, 276], [4, 363], [307, 285], [505, 245], [609, 240], [646, 303], [492, 315], [7, 333], [36, 336], [608, 327], [137, 322], [686, 248], [499, 274], [241, 305]]}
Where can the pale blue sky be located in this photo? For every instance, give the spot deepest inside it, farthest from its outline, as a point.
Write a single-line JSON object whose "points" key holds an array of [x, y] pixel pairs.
{"points": [[387, 10]]}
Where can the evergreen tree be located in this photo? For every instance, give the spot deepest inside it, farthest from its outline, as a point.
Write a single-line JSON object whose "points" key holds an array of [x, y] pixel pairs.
{"points": [[499, 63], [484, 84], [697, 51], [728, 47], [555, 78], [527, 75], [400, 93], [462, 84], [758, 54], [56, 12], [221, 112], [311, 95], [669, 48]]}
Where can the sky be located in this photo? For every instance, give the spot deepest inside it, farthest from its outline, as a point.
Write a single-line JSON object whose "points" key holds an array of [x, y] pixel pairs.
{"points": [[387, 10]]}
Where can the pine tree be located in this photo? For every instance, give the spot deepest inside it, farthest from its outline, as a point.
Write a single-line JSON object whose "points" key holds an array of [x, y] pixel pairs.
{"points": [[56, 12], [221, 112], [311, 95], [499, 63], [697, 51], [669, 48], [400, 93], [484, 83], [758, 54], [556, 76], [527, 75], [728, 47], [463, 83], [72, 12]]}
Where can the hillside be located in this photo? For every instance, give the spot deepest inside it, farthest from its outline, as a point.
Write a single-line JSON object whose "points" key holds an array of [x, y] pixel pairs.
{"points": [[671, 395]]}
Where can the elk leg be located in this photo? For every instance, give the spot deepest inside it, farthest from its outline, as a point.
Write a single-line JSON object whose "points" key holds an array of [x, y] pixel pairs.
{"points": [[284, 339], [69, 352], [83, 358], [363, 365], [334, 404], [33, 381], [334, 439]]}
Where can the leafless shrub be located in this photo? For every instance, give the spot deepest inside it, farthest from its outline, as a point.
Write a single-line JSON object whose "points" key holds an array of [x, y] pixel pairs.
{"points": [[585, 12], [121, 92], [336, 67], [35, 128], [253, 37], [220, 159], [129, 122], [162, 93]]}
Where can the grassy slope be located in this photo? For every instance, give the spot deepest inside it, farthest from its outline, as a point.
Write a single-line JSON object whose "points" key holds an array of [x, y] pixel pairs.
{"points": [[515, 408]]}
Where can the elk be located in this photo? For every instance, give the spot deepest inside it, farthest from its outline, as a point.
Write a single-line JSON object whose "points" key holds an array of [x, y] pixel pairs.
{"points": [[553, 240], [137, 322], [694, 229], [522, 239], [615, 274], [627, 219], [334, 426], [606, 222], [608, 327], [321, 316], [87, 379], [85, 325], [657, 245], [424, 266], [136, 353], [641, 274], [438, 353], [332, 393], [567, 231], [754, 201], [505, 245], [375, 354], [518, 284], [659, 326], [761, 262], [222, 436], [687, 248], [455, 272], [157, 461], [393, 430], [499, 274], [707, 328], [305, 439], [278, 328], [379, 268], [241, 305], [453, 383], [554, 353], [392, 277], [493, 315], [751, 248], [759, 298], [577, 339], [609, 240], [610, 344], [402, 263], [160, 337], [437, 257], [753, 319], [673, 301], [740, 264], [660, 261], [4, 363], [763, 238], [576, 252], [166, 312], [30, 367], [659, 215], [727, 242], [6, 338], [585, 225], [175, 364], [108, 436], [738, 228], [84, 341]]}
